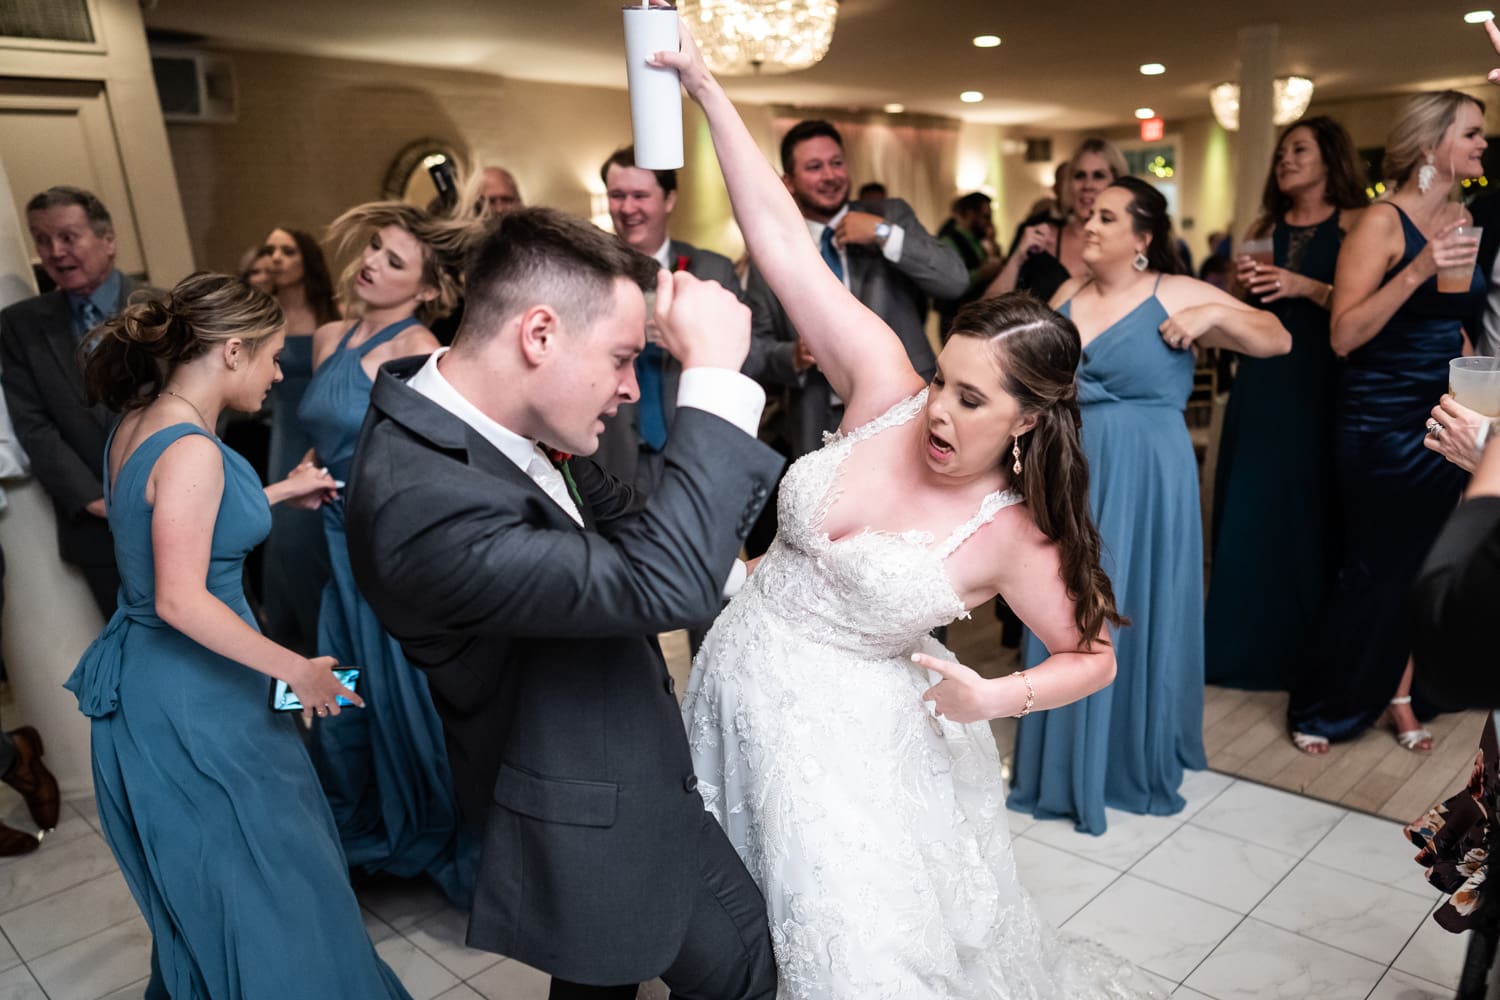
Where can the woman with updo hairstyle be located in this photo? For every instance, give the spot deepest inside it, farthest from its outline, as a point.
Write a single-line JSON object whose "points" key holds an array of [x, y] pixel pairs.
{"points": [[207, 799], [1397, 331], [1140, 321], [295, 560], [1274, 530], [385, 770]]}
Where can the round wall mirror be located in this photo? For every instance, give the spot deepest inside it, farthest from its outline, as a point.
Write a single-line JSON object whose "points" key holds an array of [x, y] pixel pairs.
{"points": [[411, 178]]}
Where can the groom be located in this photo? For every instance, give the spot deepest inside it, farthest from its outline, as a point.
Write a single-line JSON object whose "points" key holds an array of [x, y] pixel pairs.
{"points": [[531, 596]]}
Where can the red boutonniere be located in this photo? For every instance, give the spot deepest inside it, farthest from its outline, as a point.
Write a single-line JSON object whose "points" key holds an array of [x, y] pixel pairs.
{"points": [[682, 263], [561, 460]]}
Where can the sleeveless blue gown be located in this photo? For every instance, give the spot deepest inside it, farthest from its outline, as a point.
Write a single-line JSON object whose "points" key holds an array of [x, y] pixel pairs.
{"points": [[384, 769], [1396, 496], [1275, 527], [1127, 745], [207, 798]]}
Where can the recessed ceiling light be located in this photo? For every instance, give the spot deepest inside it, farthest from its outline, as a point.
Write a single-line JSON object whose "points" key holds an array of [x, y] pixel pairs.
{"points": [[1144, 113], [894, 109], [986, 41], [1152, 69], [971, 97], [1478, 16]]}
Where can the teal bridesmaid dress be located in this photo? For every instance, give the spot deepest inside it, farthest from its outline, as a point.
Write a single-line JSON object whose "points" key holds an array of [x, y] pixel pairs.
{"points": [[385, 769], [207, 797], [1127, 745]]}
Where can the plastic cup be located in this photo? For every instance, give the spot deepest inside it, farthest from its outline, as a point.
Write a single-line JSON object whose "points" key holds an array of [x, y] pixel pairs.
{"points": [[1261, 251], [655, 94], [1456, 278], [1475, 382]]}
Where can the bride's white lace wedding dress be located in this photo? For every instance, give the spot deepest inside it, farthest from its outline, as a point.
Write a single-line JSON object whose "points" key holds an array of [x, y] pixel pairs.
{"points": [[876, 830]]}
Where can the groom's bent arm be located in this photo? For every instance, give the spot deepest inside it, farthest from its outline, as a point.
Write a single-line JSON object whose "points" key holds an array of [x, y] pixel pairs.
{"points": [[469, 559]]}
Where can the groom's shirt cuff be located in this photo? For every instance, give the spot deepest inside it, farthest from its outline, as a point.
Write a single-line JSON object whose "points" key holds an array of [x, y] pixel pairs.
{"points": [[726, 394]]}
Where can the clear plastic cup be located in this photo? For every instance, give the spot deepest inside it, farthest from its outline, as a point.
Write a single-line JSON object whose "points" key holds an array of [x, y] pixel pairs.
{"points": [[1261, 251], [1475, 382], [1457, 278]]}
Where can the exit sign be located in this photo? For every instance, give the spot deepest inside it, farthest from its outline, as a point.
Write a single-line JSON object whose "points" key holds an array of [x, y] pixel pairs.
{"points": [[1152, 129]]}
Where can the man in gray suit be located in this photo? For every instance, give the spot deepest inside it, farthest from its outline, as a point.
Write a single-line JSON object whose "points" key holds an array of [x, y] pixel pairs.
{"points": [[881, 252], [531, 595], [640, 205], [43, 377]]}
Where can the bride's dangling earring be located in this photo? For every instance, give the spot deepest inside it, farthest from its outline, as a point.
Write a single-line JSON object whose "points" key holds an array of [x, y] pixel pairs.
{"points": [[1426, 175], [1016, 451]]}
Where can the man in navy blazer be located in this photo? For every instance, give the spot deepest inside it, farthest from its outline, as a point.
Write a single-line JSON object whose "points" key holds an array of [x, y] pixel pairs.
{"points": [[532, 594], [42, 375], [640, 207]]}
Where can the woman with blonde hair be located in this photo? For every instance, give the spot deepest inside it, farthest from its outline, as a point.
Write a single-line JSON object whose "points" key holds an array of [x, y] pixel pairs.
{"points": [[1397, 331], [1049, 252], [206, 798], [385, 770]]}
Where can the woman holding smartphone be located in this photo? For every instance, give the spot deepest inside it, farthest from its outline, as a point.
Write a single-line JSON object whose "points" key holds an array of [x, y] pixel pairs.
{"points": [[208, 799]]}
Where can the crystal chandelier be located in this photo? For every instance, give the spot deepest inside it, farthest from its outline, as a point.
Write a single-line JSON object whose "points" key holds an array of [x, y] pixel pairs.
{"points": [[761, 36], [1290, 97]]}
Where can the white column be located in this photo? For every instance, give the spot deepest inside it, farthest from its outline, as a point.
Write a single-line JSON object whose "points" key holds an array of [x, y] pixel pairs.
{"points": [[1257, 139], [50, 617]]}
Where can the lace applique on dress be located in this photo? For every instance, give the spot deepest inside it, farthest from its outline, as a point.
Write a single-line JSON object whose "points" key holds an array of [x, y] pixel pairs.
{"points": [[876, 831]]}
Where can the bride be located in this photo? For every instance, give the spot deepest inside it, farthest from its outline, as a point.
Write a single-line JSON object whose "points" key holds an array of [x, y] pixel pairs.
{"points": [[875, 824]]}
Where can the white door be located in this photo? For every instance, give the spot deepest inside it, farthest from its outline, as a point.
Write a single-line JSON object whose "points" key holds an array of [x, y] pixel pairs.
{"points": [[61, 132]]}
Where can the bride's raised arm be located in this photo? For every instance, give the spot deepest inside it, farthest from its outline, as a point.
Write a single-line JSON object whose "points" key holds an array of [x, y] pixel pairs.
{"points": [[860, 355]]}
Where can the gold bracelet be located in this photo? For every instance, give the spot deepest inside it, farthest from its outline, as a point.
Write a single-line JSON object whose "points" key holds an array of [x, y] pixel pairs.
{"points": [[1030, 694]]}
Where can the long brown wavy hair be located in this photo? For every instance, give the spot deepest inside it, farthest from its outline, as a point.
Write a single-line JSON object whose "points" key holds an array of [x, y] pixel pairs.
{"points": [[1342, 189], [1039, 351], [130, 357]]}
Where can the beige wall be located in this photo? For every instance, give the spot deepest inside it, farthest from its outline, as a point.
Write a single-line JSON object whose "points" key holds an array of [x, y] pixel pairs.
{"points": [[316, 135], [121, 62]]}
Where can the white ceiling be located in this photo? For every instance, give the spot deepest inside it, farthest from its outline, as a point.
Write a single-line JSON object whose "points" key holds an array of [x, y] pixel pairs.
{"points": [[1065, 64]]}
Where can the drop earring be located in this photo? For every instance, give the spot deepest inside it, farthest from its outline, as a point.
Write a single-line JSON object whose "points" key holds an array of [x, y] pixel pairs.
{"points": [[1426, 175], [1141, 262], [1015, 450]]}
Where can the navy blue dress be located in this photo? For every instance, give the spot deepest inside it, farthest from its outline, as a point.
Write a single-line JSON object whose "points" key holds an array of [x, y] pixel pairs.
{"points": [[1127, 745], [206, 797], [385, 769], [1395, 495], [1275, 532], [296, 554]]}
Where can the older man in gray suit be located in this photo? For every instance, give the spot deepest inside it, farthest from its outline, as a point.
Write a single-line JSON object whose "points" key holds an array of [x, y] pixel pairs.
{"points": [[43, 378], [881, 252], [640, 206]]}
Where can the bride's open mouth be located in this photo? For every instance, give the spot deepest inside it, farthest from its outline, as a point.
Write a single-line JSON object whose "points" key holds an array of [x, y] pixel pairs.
{"points": [[937, 447]]}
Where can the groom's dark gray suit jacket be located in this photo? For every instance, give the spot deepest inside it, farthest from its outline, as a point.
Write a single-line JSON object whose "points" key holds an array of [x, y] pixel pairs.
{"points": [[538, 639]]}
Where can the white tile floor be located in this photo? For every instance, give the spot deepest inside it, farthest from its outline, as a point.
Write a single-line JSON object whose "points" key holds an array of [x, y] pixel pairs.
{"points": [[1250, 894]]}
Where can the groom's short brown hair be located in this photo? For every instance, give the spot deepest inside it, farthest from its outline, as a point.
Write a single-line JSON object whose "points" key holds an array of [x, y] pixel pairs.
{"points": [[540, 256]]}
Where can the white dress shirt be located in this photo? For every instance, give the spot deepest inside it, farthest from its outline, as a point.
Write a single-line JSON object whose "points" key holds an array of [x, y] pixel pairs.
{"points": [[724, 393], [891, 249]]}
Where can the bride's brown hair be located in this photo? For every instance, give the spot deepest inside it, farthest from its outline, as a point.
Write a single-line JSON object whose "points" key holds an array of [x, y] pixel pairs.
{"points": [[1039, 351]]}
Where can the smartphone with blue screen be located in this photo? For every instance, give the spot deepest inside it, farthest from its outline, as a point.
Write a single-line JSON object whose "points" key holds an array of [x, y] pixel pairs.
{"points": [[284, 699]]}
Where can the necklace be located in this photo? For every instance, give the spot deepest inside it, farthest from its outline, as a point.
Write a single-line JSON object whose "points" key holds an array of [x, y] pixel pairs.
{"points": [[169, 392]]}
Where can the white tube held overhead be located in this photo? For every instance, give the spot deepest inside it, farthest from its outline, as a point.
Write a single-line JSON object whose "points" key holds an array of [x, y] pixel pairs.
{"points": [[655, 94]]}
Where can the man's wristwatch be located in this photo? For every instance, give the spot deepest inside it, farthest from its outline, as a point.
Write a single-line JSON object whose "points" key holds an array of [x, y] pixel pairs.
{"points": [[882, 232]]}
